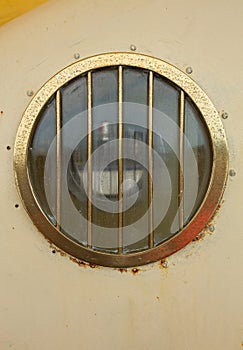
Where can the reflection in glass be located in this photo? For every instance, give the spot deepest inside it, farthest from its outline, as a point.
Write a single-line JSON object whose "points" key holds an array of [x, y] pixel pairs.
{"points": [[135, 90], [197, 134], [44, 134], [104, 92], [166, 100], [135, 176]]}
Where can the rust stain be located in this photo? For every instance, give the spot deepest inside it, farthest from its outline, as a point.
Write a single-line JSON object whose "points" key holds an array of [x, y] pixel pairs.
{"points": [[201, 235], [76, 260], [219, 207], [207, 230], [83, 263], [56, 250], [122, 270], [79, 262], [93, 266], [163, 264]]}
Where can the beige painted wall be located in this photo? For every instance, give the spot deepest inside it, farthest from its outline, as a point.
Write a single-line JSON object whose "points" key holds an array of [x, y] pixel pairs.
{"points": [[47, 300]]}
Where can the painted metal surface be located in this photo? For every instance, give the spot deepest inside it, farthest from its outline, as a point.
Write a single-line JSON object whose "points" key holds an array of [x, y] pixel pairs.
{"points": [[194, 300]]}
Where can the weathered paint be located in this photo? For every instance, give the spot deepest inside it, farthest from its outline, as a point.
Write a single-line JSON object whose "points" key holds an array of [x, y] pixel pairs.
{"points": [[49, 301]]}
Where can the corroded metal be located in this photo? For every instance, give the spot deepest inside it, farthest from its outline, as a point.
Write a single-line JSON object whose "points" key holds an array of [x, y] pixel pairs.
{"points": [[218, 174]]}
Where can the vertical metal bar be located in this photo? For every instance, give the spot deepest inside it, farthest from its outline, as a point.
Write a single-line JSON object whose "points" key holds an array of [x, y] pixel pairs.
{"points": [[58, 158], [120, 160], [134, 156], [89, 177], [181, 155], [150, 159]]}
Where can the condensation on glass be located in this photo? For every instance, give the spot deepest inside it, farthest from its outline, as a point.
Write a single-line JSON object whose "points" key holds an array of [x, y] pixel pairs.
{"points": [[121, 103]]}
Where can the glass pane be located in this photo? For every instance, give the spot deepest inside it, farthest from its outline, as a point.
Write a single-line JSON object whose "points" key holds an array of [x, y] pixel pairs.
{"points": [[41, 141], [73, 108], [135, 175], [74, 98], [166, 139], [105, 181], [166, 101], [198, 137]]}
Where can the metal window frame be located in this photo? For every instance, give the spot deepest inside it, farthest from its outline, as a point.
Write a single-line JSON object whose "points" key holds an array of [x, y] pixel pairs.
{"points": [[187, 85]]}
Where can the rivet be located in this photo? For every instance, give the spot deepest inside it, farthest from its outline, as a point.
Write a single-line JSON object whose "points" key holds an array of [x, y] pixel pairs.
{"points": [[232, 172], [189, 70], [76, 56], [165, 264], [30, 93], [211, 228], [224, 115], [133, 47]]}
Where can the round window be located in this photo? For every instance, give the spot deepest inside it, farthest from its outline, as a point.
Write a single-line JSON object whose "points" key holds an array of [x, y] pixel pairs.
{"points": [[120, 159]]}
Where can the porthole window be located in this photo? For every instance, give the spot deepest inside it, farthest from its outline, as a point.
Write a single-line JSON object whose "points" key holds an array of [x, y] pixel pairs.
{"points": [[120, 159]]}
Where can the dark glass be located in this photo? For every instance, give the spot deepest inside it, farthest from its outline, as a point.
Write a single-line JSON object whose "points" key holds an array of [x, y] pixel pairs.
{"points": [[198, 135], [45, 132]]}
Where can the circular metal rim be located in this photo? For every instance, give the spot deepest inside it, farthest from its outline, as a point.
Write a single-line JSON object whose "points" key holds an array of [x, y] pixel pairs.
{"points": [[218, 175]]}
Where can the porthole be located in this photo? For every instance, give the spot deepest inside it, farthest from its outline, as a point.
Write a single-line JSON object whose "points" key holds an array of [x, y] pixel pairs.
{"points": [[121, 159]]}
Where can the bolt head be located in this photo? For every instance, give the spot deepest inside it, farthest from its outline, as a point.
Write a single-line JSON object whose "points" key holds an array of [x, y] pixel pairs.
{"points": [[133, 47], [211, 228], [76, 56], [224, 115], [232, 172], [189, 70], [30, 93], [165, 264]]}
